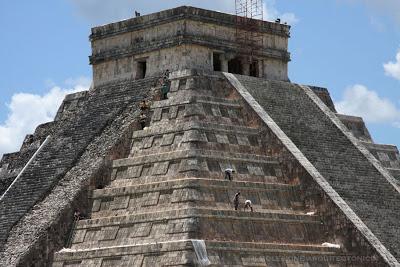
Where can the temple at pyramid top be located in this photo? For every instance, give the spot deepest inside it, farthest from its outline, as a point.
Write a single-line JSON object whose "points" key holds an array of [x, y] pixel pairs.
{"points": [[187, 38]]}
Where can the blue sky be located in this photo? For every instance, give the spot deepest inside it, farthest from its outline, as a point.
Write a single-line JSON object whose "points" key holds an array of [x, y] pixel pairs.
{"points": [[339, 44]]}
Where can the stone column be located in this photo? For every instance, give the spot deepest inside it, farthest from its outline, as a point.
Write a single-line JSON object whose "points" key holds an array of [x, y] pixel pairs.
{"points": [[265, 69], [260, 66], [246, 67], [224, 64]]}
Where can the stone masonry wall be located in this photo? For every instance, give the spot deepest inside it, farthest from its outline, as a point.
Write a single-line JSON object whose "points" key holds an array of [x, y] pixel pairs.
{"points": [[181, 38], [171, 188], [174, 58], [355, 177], [356, 126], [12, 164], [63, 151]]}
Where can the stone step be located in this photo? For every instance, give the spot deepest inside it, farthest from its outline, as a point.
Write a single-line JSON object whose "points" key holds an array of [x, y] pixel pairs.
{"points": [[197, 153], [146, 255], [219, 253], [194, 96], [218, 138], [172, 136], [204, 192], [193, 139], [215, 85], [200, 163], [211, 111], [159, 120], [221, 225], [198, 125], [212, 86], [126, 182]]}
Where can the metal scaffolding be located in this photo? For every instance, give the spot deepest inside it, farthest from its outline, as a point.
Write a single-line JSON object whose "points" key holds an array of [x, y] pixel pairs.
{"points": [[249, 14]]}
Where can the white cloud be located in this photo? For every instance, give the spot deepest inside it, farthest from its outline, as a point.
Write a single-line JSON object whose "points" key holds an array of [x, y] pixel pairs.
{"points": [[393, 68], [271, 13], [27, 111], [358, 100]]}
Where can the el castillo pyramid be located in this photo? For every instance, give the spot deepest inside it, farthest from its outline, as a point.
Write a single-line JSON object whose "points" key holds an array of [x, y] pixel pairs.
{"points": [[323, 193]]}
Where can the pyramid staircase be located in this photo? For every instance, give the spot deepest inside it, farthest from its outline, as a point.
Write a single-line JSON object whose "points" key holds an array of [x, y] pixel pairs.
{"points": [[171, 190], [388, 155]]}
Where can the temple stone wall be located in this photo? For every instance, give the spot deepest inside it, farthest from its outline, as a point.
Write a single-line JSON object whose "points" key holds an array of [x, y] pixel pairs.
{"points": [[174, 58], [183, 38], [274, 69]]}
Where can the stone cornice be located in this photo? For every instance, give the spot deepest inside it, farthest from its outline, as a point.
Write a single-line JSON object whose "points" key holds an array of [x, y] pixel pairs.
{"points": [[218, 44], [181, 13]]}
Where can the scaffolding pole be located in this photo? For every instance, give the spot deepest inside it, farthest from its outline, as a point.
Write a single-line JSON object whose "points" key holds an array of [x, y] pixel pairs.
{"points": [[249, 17]]}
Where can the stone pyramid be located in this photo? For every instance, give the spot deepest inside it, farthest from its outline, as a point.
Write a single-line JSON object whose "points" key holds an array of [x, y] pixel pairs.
{"points": [[323, 193]]}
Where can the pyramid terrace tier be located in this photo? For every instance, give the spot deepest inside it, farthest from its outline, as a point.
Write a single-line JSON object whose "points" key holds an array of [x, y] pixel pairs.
{"points": [[217, 112], [198, 163], [196, 223], [222, 253], [195, 135], [213, 194]]}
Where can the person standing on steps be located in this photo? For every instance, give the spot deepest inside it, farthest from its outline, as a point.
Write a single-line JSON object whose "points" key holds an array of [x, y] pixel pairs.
{"points": [[78, 215], [165, 85], [144, 105], [142, 120], [229, 173], [144, 108], [236, 201], [247, 204]]}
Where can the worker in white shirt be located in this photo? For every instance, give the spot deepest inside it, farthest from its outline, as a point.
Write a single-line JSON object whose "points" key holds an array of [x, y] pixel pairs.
{"points": [[228, 173], [247, 204]]}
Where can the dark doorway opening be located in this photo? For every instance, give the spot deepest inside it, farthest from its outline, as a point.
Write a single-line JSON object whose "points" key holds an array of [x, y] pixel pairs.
{"points": [[254, 69], [217, 62], [141, 69], [235, 66]]}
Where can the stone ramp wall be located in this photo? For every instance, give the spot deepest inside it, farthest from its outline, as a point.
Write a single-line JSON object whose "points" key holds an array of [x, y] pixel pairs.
{"points": [[364, 188], [11, 164], [356, 126], [325, 97], [66, 146]]}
